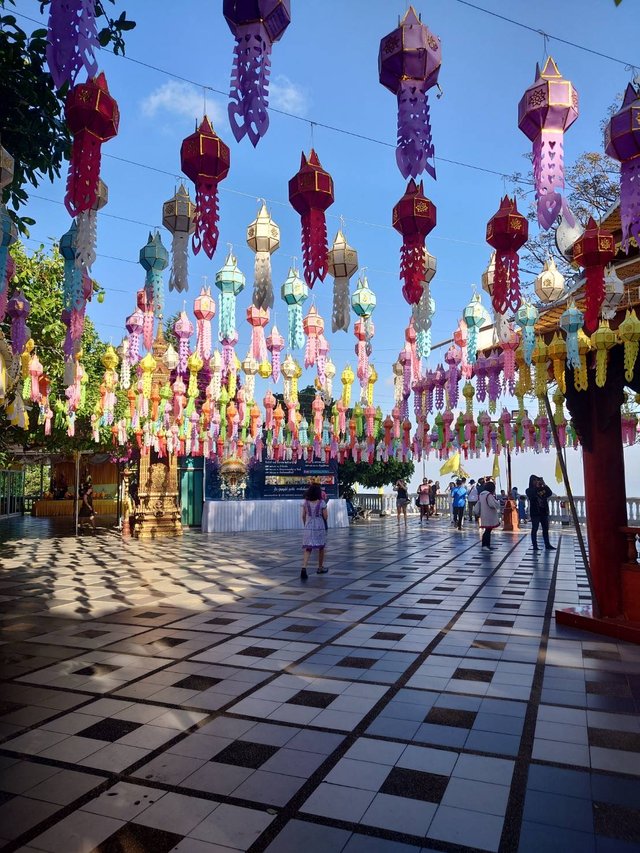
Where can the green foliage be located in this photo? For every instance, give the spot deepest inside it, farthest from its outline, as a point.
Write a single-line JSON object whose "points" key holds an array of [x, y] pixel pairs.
{"points": [[372, 476], [33, 128], [169, 334], [40, 277]]}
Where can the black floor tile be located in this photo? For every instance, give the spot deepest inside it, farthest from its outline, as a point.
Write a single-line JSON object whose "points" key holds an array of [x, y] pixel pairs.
{"points": [[615, 740], [256, 652], [312, 699], [96, 669], [246, 754], [169, 642], [387, 635], [109, 729], [357, 662], [135, 838], [197, 682], [219, 620], [415, 785], [617, 821], [451, 717], [465, 674]]}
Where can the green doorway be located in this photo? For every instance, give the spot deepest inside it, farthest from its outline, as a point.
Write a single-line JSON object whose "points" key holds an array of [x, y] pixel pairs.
{"points": [[191, 476]]}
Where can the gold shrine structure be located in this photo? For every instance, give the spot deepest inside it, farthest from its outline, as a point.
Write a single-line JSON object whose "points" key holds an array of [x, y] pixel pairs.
{"points": [[158, 514]]}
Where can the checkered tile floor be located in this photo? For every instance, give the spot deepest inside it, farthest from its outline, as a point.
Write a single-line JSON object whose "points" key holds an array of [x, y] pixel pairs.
{"points": [[195, 696]]}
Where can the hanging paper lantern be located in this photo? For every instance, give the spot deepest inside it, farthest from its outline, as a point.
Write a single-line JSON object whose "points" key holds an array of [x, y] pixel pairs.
{"points": [[343, 264], [593, 251], [72, 283], [8, 236], [313, 326], [557, 352], [154, 258], [72, 40], [310, 194], [414, 216], [6, 168], [230, 282], [526, 318], [622, 142], [547, 109], [571, 321], [294, 292], [263, 238], [580, 373], [613, 293], [204, 310], [183, 329], [629, 334], [549, 284], [364, 331], [488, 275], [364, 299], [452, 357], [92, 117], [475, 316], [135, 326], [179, 217], [256, 25], [507, 231], [258, 318], [275, 345], [18, 308], [347, 378], [602, 340], [539, 359], [205, 160], [409, 63]]}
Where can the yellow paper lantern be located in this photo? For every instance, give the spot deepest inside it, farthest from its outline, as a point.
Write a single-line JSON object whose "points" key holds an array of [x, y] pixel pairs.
{"points": [[602, 340], [629, 334]]}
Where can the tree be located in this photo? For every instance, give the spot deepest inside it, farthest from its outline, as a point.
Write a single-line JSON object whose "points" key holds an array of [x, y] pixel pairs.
{"points": [[33, 128], [40, 277], [372, 476]]}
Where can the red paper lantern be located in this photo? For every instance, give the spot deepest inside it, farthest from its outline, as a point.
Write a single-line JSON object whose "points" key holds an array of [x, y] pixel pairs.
{"points": [[507, 231], [593, 251], [205, 159], [92, 117], [414, 216], [310, 194]]}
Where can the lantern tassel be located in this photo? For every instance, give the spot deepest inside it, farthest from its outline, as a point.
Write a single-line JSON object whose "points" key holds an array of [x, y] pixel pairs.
{"points": [[314, 246], [595, 292], [179, 277], [72, 285], [206, 234], [630, 201], [296, 331], [412, 269], [263, 286], [415, 152], [227, 315], [249, 94], [341, 305], [86, 238], [548, 174], [147, 329], [84, 172]]}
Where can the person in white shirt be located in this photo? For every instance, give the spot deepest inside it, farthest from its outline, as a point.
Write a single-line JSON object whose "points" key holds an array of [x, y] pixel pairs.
{"points": [[472, 498]]}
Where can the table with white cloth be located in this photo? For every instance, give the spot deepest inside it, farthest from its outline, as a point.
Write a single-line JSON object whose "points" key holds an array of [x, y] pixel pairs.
{"points": [[242, 516]]}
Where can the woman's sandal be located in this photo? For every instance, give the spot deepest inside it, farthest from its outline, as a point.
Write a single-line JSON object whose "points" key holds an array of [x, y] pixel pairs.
{"points": [[322, 571]]}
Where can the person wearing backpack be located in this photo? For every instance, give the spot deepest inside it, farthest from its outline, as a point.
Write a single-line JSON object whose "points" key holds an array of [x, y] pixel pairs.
{"points": [[489, 513]]}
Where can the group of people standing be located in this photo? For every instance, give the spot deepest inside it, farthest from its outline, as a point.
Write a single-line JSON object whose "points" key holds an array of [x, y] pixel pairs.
{"points": [[480, 501]]}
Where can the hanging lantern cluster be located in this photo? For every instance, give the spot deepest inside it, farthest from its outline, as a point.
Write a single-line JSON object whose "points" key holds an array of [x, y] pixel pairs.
{"points": [[205, 160], [414, 216], [310, 194], [256, 25], [409, 62], [548, 108], [507, 231], [263, 238], [622, 142]]}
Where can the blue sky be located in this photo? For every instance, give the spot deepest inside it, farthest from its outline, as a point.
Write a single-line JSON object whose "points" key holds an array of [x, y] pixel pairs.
{"points": [[325, 69]]}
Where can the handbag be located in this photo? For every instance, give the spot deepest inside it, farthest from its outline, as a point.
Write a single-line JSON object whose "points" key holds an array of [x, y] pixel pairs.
{"points": [[476, 509]]}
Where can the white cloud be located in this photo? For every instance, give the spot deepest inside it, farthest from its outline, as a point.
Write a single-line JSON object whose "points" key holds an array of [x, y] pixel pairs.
{"points": [[181, 99], [286, 95]]}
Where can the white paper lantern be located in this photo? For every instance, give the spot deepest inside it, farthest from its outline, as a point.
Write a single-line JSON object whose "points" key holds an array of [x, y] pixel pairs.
{"points": [[613, 293], [549, 285]]}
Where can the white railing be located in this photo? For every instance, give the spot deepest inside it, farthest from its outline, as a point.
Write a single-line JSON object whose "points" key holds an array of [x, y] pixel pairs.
{"points": [[559, 509]]}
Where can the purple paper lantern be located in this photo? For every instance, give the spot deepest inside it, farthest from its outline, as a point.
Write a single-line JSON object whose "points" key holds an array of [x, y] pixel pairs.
{"points": [[72, 39], [546, 110], [18, 309], [256, 25], [409, 63], [622, 142]]}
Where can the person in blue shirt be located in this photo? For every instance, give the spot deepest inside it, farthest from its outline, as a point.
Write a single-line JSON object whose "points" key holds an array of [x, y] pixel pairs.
{"points": [[459, 497]]}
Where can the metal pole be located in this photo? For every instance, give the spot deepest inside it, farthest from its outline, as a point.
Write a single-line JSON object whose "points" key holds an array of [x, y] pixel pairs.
{"points": [[77, 489], [572, 505]]}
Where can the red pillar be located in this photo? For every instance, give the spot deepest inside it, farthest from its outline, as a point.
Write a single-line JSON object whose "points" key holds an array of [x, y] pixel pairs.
{"points": [[596, 417], [606, 502]]}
